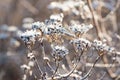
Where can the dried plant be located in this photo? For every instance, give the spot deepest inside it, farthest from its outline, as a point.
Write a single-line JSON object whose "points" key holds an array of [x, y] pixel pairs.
{"points": [[79, 40], [53, 31]]}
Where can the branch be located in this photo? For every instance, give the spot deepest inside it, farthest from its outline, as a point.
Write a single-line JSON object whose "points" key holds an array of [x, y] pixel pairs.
{"points": [[95, 21]]}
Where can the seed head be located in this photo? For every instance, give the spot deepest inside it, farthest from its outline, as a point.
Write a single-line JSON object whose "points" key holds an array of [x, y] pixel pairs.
{"points": [[99, 46], [76, 28], [59, 51], [30, 35], [81, 44]]}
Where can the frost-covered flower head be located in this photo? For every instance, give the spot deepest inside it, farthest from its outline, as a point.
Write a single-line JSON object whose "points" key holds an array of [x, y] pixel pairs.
{"points": [[76, 28], [50, 26], [54, 25], [99, 46], [59, 51], [30, 35], [38, 25], [80, 44], [55, 19]]}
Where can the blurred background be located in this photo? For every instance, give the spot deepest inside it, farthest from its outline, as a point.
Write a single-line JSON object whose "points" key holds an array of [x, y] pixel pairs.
{"points": [[15, 17], [12, 12]]}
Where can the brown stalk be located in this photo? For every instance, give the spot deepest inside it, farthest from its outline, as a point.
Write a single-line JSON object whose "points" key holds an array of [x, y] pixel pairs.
{"points": [[95, 21]]}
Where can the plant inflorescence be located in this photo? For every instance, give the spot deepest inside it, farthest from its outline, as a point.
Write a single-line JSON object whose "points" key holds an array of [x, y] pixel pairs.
{"points": [[54, 32]]}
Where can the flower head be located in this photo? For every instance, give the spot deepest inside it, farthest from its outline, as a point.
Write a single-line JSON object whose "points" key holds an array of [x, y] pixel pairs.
{"points": [[76, 28], [99, 46], [80, 44], [30, 35], [59, 51]]}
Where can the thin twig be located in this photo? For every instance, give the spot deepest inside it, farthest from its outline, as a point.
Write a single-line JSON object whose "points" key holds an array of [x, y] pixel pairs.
{"points": [[56, 70], [50, 67], [101, 78], [75, 65], [102, 65], [38, 66], [91, 68], [43, 50]]}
